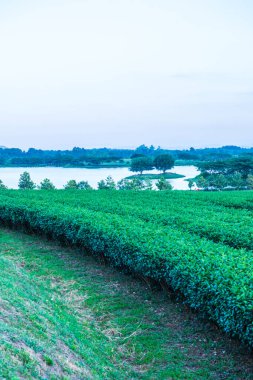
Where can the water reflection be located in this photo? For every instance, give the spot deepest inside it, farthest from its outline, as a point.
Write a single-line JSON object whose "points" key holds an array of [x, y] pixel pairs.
{"points": [[59, 176]]}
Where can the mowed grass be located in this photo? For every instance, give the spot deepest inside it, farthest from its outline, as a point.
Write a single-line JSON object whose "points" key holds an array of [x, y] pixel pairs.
{"points": [[64, 315]]}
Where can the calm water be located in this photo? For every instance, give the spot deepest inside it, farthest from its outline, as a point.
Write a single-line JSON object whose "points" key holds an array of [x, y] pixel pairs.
{"points": [[59, 176]]}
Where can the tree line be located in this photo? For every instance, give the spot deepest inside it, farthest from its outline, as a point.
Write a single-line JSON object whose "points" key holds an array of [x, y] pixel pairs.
{"points": [[81, 157], [234, 173], [26, 183]]}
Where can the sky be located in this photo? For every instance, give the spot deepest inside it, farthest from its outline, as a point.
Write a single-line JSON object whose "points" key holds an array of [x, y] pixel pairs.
{"points": [[121, 73]]}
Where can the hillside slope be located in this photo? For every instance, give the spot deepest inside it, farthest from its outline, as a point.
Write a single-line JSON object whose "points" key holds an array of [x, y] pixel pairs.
{"points": [[66, 316]]}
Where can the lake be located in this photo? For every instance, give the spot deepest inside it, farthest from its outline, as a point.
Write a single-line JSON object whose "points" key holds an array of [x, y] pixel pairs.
{"points": [[59, 176]]}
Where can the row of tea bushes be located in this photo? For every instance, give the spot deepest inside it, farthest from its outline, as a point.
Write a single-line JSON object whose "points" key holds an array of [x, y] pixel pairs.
{"points": [[212, 277]]}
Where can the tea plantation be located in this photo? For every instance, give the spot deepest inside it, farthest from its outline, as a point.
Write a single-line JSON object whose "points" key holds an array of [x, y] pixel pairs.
{"points": [[197, 244]]}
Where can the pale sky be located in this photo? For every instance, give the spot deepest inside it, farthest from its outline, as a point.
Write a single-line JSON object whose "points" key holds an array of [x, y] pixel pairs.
{"points": [[120, 73]]}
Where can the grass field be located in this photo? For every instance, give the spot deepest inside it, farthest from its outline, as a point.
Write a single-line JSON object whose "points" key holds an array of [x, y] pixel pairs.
{"points": [[66, 316]]}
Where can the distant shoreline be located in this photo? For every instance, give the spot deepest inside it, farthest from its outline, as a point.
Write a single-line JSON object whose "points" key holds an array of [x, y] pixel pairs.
{"points": [[108, 166], [67, 166]]}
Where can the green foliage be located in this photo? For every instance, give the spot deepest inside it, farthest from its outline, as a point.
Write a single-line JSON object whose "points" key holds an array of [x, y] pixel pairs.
{"points": [[48, 360], [250, 182], [164, 162], [84, 185], [198, 243], [222, 181], [241, 165], [236, 181], [64, 316], [219, 181], [163, 184], [202, 182], [71, 184], [130, 184], [107, 184], [106, 157], [135, 184], [140, 164], [191, 184], [46, 184], [25, 182], [2, 185], [148, 184]]}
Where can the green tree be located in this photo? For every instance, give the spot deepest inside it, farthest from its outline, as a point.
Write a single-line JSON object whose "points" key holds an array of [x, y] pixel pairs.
{"points": [[249, 182], [140, 164], [71, 184], [25, 182], [46, 184], [214, 167], [84, 185], [242, 165], [2, 185], [163, 184], [107, 184], [191, 184], [142, 149], [124, 184], [202, 182], [148, 184], [164, 162], [219, 181], [236, 180], [130, 184]]}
